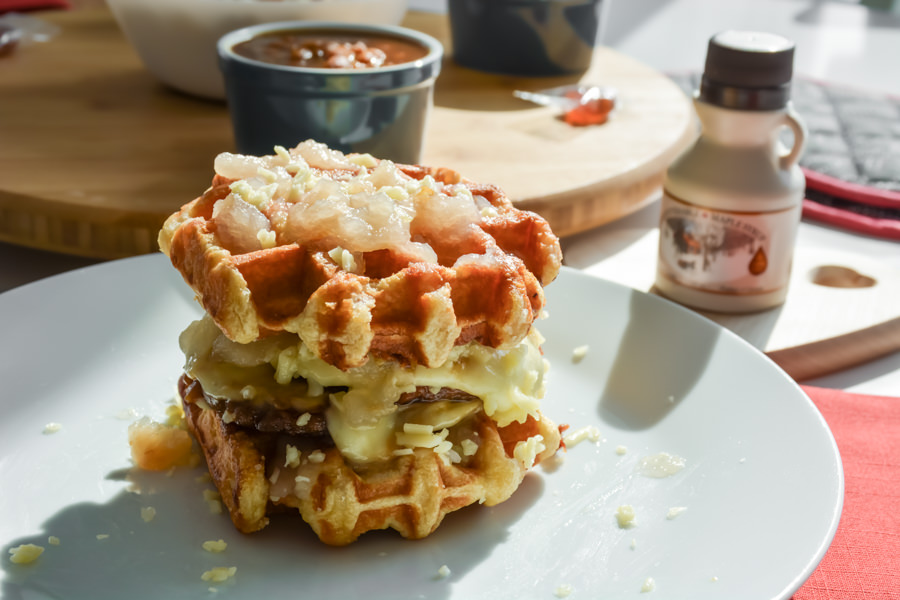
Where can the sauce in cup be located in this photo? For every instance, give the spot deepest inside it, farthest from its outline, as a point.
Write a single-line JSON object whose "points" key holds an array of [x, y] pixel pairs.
{"points": [[355, 87], [330, 50]]}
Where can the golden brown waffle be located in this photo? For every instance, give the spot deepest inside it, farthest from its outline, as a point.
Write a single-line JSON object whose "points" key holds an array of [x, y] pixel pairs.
{"points": [[412, 494], [485, 286]]}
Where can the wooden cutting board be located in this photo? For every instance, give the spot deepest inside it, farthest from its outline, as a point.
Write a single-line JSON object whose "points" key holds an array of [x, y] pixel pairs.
{"points": [[841, 309], [94, 153]]}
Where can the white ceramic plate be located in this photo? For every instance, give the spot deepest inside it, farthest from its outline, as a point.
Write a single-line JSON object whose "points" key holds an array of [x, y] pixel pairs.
{"points": [[763, 485]]}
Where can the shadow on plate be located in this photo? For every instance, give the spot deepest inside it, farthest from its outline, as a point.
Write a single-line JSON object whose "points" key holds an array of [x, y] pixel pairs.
{"points": [[108, 551], [756, 328], [663, 352]]}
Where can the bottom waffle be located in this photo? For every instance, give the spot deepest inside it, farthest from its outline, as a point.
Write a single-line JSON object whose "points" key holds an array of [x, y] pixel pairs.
{"points": [[411, 494]]}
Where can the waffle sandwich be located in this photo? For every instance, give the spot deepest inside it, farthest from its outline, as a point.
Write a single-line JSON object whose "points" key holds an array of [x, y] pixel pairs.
{"points": [[367, 356]]}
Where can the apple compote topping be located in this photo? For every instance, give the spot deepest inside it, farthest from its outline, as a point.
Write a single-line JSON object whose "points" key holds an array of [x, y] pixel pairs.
{"points": [[361, 257]]}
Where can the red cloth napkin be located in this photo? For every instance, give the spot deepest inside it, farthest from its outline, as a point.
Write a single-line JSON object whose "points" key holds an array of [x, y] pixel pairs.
{"points": [[27, 5], [864, 558]]}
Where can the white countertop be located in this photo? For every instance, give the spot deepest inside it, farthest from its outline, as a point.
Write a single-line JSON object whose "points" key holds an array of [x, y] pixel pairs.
{"points": [[837, 42]]}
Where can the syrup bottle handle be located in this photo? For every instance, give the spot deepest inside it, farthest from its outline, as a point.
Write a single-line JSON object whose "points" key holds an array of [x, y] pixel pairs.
{"points": [[786, 161]]}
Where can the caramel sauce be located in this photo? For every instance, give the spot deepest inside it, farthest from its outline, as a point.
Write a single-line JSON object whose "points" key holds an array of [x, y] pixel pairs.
{"points": [[330, 50]]}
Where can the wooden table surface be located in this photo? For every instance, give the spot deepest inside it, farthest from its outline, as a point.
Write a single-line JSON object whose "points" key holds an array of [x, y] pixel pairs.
{"points": [[95, 153]]}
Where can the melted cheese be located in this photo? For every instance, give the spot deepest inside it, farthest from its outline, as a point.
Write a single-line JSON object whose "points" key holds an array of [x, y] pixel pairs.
{"points": [[510, 383], [364, 421], [234, 371], [439, 415], [660, 465], [361, 443]]}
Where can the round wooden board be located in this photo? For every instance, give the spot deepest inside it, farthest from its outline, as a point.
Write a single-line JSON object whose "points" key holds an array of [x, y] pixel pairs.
{"points": [[576, 177], [95, 153]]}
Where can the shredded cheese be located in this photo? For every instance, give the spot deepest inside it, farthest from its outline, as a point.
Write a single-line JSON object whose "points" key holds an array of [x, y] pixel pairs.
{"points": [[469, 447], [267, 239], [526, 452], [291, 456]]}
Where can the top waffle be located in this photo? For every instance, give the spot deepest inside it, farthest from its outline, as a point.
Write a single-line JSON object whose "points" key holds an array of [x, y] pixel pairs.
{"points": [[358, 256]]}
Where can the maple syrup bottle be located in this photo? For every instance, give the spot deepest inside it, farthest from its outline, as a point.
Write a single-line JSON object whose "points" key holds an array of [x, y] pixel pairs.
{"points": [[731, 202]]}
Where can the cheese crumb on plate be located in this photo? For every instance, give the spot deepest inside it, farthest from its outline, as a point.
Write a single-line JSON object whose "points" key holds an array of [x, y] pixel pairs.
{"points": [[579, 353], [675, 511], [213, 501], [215, 546], [219, 574], [625, 516], [579, 435], [25, 554]]}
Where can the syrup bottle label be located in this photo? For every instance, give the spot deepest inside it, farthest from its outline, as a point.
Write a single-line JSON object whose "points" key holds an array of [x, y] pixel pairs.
{"points": [[734, 253]]}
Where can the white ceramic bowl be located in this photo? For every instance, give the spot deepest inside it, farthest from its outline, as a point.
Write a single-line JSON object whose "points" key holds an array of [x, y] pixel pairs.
{"points": [[176, 39]]}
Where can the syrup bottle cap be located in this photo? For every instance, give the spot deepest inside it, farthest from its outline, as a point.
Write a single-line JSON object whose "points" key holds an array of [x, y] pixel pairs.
{"points": [[748, 70]]}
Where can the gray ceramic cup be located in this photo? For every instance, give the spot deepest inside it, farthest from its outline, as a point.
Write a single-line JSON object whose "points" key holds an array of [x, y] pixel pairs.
{"points": [[525, 37], [381, 110]]}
